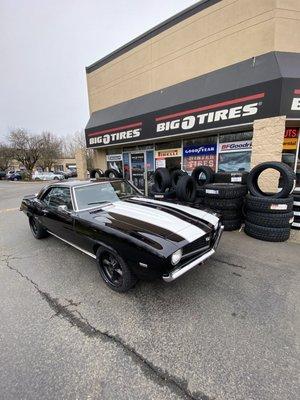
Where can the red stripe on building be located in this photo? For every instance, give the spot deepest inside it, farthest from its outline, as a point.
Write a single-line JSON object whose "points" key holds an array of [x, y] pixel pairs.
{"points": [[119, 128], [297, 91], [212, 106]]}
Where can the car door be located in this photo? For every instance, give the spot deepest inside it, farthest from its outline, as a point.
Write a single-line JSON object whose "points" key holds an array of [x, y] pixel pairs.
{"points": [[57, 221]]}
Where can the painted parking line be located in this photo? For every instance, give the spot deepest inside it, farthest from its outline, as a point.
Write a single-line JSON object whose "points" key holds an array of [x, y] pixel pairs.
{"points": [[4, 210]]}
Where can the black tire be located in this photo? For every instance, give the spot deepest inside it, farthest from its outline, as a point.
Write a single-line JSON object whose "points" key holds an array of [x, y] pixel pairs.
{"points": [[270, 220], [175, 175], [269, 204], [162, 179], [225, 190], [231, 224], [186, 189], [266, 233], [203, 175], [288, 177], [36, 229], [231, 214], [111, 173], [231, 177], [96, 173], [224, 204], [117, 275], [200, 192]]}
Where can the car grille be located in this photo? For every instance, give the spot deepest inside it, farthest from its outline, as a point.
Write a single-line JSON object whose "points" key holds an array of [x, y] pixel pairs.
{"points": [[197, 246]]}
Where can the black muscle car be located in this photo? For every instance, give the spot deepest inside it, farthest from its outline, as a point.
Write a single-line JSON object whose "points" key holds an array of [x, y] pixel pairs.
{"points": [[129, 235]]}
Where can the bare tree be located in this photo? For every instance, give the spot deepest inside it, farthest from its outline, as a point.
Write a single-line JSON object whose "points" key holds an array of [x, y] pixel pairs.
{"points": [[75, 142], [51, 150], [26, 148], [72, 143], [6, 156]]}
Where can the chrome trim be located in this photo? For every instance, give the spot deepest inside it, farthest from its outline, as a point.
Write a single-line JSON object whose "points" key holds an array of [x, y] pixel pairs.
{"points": [[73, 245], [176, 273]]}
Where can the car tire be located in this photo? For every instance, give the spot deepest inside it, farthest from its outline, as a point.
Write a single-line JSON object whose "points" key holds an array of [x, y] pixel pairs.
{"points": [[95, 172], [124, 280], [162, 179], [231, 177], [231, 224], [225, 190], [175, 175], [203, 170], [270, 220], [231, 214], [186, 189], [288, 177], [111, 173], [267, 234], [36, 229], [269, 204], [224, 204]]}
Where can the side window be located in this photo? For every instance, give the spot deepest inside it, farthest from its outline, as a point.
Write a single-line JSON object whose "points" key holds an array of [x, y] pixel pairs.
{"points": [[58, 196]]}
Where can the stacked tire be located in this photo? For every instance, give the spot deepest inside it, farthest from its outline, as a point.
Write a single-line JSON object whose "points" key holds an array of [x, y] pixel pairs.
{"points": [[296, 209], [226, 199], [269, 215], [202, 176], [177, 185]]}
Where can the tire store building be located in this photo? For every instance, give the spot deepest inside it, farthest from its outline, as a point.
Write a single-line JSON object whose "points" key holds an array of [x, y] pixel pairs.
{"points": [[217, 84]]}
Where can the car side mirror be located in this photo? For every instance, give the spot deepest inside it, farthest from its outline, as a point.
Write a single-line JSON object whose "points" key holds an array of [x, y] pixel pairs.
{"points": [[64, 209]]}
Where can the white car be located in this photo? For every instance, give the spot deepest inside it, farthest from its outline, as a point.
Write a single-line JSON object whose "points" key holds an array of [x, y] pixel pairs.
{"points": [[46, 176]]}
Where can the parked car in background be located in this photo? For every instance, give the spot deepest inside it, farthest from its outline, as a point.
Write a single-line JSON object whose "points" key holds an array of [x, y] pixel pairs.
{"points": [[46, 176], [72, 172], [2, 175], [14, 176], [61, 173]]}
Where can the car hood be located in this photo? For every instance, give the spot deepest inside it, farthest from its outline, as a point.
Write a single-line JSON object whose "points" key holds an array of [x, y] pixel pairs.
{"points": [[146, 216]]}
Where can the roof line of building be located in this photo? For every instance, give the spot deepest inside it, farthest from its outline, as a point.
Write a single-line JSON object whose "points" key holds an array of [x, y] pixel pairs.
{"points": [[168, 23]]}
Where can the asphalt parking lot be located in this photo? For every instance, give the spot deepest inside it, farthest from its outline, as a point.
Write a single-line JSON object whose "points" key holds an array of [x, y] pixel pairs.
{"points": [[227, 330]]}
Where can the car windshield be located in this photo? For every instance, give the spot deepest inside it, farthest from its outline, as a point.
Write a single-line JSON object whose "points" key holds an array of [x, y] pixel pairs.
{"points": [[93, 195]]}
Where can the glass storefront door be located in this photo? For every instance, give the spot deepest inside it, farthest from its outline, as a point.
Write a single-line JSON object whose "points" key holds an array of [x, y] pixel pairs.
{"points": [[138, 170]]}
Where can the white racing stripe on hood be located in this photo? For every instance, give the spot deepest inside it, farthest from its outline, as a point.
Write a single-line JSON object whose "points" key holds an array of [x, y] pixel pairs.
{"points": [[156, 217], [204, 215]]}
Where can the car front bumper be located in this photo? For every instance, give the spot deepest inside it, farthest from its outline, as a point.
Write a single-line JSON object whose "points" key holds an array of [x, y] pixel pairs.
{"points": [[177, 272]]}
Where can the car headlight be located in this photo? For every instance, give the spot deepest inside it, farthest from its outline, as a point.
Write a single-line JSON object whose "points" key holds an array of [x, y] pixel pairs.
{"points": [[176, 257]]}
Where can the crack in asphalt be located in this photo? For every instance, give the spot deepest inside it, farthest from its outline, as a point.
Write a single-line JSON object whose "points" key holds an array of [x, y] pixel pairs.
{"points": [[228, 263], [150, 370]]}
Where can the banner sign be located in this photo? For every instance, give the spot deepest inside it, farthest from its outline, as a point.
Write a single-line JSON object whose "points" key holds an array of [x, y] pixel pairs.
{"points": [[290, 139], [195, 150], [168, 153], [238, 107], [205, 155], [114, 157], [243, 145]]}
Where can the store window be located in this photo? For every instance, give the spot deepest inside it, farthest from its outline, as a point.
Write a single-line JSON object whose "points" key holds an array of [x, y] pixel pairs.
{"points": [[115, 161], [200, 151], [234, 152], [290, 151], [168, 155]]}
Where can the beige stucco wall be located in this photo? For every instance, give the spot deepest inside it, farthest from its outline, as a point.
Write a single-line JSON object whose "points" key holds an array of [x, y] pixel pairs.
{"points": [[221, 35], [81, 164], [99, 159], [268, 136]]}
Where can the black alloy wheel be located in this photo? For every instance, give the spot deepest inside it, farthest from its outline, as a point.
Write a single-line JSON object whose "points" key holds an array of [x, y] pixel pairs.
{"points": [[112, 269], [36, 229], [33, 227]]}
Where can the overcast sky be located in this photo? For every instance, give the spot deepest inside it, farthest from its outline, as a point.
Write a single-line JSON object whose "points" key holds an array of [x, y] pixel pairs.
{"points": [[45, 47]]}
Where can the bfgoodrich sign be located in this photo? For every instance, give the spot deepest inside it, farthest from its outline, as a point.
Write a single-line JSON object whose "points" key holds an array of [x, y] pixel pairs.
{"points": [[237, 107]]}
